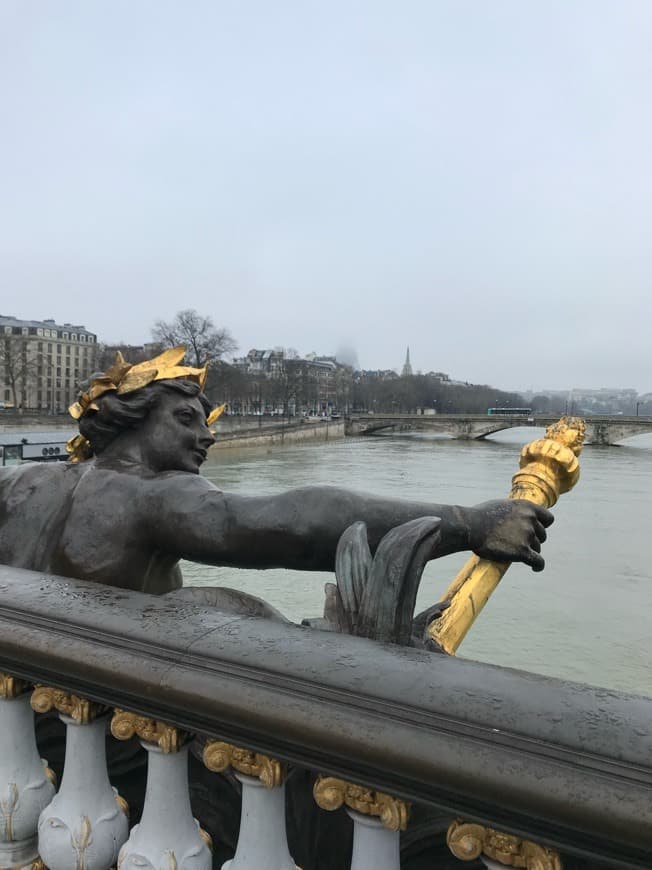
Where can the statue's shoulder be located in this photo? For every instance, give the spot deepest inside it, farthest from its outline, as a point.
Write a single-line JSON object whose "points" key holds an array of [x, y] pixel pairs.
{"points": [[140, 487], [51, 481], [30, 472], [169, 497], [182, 481]]}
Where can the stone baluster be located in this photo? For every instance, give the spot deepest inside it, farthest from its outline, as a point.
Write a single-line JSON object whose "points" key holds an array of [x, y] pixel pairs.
{"points": [[26, 784], [378, 820], [87, 822], [167, 838], [469, 841], [263, 839]]}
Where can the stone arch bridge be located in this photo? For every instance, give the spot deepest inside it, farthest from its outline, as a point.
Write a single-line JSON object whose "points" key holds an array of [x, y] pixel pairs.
{"points": [[473, 427]]}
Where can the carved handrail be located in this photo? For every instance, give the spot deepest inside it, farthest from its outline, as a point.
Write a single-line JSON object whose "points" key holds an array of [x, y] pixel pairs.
{"points": [[485, 743]]}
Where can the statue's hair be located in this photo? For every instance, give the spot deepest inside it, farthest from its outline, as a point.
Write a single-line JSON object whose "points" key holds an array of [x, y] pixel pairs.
{"points": [[116, 413]]}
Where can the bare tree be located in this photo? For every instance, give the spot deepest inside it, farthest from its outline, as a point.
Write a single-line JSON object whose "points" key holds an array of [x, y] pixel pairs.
{"points": [[18, 365], [132, 353], [204, 341]]}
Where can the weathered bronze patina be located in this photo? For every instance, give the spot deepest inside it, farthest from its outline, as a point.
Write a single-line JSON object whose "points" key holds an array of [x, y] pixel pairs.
{"points": [[136, 504], [131, 504]]}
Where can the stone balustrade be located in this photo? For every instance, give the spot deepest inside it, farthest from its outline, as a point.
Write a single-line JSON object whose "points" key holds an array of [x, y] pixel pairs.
{"points": [[468, 427], [520, 769]]}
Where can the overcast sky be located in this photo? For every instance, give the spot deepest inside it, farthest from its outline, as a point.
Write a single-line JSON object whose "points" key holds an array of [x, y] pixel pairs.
{"points": [[471, 179]]}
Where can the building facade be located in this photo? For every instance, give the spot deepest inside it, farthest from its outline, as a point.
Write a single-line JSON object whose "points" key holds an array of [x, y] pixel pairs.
{"points": [[293, 385], [42, 363]]}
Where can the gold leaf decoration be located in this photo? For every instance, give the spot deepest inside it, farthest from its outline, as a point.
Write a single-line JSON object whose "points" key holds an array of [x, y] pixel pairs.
{"points": [[468, 841], [11, 687], [219, 756], [206, 837], [49, 773], [331, 793], [46, 698], [7, 810], [122, 804], [548, 468], [125, 725], [124, 377], [79, 448], [215, 414], [80, 840]]}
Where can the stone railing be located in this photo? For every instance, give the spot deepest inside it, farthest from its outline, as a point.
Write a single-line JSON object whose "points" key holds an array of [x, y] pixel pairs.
{"points": [[520, 769]]}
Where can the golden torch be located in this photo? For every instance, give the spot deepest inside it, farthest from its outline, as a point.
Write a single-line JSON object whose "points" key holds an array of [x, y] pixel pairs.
{"points": [[548, 468]]}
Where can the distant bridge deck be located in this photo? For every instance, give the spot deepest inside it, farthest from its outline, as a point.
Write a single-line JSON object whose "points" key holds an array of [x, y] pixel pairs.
{"points": [[473, 427]]}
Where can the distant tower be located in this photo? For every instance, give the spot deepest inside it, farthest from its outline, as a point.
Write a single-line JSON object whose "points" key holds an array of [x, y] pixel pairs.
{"points": [[407, 367]]}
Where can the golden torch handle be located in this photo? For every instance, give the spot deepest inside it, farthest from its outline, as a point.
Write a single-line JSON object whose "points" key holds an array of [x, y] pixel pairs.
{"points": [[548, 468]]}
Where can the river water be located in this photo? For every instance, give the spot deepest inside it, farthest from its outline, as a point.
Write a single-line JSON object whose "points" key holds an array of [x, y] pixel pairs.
{"points": [[587, 617]]}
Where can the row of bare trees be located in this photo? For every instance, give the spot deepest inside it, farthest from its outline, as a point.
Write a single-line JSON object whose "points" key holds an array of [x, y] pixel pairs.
{"points": [[297, 387], [406, 394]]}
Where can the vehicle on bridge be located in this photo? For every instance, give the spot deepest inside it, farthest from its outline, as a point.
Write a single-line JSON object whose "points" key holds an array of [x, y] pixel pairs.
{"points": [[509, 412]]}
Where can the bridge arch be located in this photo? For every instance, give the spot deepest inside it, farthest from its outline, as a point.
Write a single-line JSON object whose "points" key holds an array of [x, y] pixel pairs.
{"points": [[467, 427]]}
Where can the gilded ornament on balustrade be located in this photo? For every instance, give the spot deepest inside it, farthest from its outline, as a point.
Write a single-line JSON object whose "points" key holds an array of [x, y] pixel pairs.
{"points": [[122, 804], [467, 841], [206, 837], [219, 756], [49, 773], [46, 698], [11, 687], [8, 807], [331, 793], [125, 725], [80, 840]]}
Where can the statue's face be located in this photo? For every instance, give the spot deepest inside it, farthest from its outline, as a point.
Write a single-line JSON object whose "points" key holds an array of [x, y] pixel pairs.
{"points": [[174, 435]]}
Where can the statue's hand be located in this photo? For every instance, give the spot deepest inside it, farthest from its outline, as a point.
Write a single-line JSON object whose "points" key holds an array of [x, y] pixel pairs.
{"points": [[510, 531]]}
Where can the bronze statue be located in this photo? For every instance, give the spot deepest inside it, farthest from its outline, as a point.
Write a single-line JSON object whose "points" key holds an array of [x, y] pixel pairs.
{"points": [[131, 504]]}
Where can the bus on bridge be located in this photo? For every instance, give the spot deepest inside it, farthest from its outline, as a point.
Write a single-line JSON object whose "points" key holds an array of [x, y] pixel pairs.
{"points": [[509, 412]]}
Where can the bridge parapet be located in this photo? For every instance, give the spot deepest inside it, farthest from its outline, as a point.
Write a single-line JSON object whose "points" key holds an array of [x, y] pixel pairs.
{"points": [[391, 719], [599, 430]]}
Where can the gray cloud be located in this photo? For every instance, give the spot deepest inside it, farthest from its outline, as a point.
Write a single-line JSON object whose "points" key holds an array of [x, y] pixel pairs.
{"points": [[469, 179]]}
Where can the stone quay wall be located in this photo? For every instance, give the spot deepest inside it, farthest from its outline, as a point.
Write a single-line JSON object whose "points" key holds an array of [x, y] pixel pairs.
{"points": [[295, 433], [238, 432]]}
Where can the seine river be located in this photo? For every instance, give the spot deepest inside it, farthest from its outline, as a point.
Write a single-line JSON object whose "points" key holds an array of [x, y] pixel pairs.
{"points": [[587, 617]]}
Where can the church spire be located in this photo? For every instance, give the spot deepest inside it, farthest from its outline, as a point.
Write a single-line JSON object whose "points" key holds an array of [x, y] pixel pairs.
{"points": [[407, 367]]}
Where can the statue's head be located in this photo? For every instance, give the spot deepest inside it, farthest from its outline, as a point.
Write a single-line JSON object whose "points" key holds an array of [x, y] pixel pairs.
{"points": [[161, 398]]}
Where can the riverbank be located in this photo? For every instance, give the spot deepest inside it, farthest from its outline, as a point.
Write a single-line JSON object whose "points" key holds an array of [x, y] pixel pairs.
{"points": [[234, 432], [277, 434]]}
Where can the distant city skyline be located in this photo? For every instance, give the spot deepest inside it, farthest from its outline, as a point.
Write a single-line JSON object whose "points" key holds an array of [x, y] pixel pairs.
{"points": [[471, 179], [345, 356]]}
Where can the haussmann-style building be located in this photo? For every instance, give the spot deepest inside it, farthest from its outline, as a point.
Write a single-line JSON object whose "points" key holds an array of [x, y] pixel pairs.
{"points": [[42, 363]]}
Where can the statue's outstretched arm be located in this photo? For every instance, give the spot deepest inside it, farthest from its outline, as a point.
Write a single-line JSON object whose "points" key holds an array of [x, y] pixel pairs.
{"points": [[300, 528]]}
